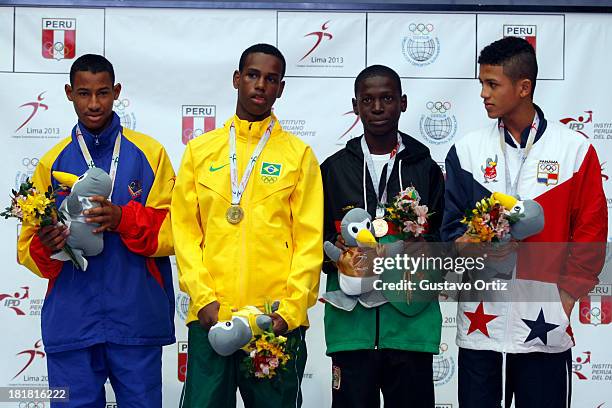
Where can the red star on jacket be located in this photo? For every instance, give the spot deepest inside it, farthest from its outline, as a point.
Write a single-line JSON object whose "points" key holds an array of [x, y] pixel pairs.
{"points": [[479, 320]]}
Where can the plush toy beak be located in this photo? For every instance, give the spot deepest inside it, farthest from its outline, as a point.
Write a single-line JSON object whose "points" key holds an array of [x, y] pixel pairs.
{"points": [[65, 179], [506, 200], [365, 238]]}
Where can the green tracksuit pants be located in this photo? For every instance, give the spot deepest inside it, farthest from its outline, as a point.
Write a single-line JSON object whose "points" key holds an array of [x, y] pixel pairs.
{"points": [[212, 379]]}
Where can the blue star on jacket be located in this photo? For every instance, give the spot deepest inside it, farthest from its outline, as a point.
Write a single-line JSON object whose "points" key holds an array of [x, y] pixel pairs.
{"points": [[539, 328]]}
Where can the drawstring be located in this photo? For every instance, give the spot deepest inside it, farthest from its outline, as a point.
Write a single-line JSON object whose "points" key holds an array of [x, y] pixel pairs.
{"points": [[365, 198], [503, 379], [399, 169], [401, 182]]}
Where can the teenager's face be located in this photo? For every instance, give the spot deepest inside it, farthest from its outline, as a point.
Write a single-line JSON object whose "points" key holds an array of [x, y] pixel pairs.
{"points": [[501, 95], [379, 104], [92, 96], [259, 84]]}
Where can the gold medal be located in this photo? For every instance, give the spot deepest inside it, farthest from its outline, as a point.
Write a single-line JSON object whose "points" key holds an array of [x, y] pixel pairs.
{"points": [[380, 227], [234, 214]]}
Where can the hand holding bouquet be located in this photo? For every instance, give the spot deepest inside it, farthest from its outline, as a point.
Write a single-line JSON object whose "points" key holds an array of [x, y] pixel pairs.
{"points": [[268, 353], [408, 218], [36, 209], [492, 221]]}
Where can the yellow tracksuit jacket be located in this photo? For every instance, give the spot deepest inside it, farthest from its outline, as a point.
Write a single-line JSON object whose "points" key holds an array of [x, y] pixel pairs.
{"points": [[275, 253]]}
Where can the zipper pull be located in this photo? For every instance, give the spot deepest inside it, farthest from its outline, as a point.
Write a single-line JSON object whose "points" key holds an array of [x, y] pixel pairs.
{"points": [[97, 141]]}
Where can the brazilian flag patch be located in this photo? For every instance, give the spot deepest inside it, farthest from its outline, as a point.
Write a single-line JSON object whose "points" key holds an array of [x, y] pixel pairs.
{"points": [[271, 169]]}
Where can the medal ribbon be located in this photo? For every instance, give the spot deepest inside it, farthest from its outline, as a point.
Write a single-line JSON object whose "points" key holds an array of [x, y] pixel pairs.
{"points": [[90, 162], [512, 187], [369, 163], [238, 189]]}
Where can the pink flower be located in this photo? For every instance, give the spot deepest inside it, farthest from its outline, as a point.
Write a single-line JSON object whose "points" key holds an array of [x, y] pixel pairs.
{"points": [[421, 213], [414, 228], [273, 362], [410, 226], [502, 228]]}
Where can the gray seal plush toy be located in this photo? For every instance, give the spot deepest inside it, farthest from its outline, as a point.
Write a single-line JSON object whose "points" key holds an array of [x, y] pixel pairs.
{"points": [[355, 265], [530, 212], [82, 240], [227, 337]]}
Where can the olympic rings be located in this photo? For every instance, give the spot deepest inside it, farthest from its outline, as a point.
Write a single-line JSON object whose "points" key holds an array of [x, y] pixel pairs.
{"points": [[421, 28], [438, 106], [269, 179], [29, 163]]}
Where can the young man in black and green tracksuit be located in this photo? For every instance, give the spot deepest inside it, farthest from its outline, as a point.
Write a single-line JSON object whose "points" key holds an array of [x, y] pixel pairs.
{"points": [[388, 348]]}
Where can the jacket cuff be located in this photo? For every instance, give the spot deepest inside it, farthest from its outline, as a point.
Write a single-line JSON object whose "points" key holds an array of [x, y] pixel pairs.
{"points": [[288, 317], [127, 226], [576, 287]]}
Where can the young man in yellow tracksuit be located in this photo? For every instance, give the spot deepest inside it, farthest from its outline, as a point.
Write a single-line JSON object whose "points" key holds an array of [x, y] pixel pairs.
{"points": [[248, 224]]}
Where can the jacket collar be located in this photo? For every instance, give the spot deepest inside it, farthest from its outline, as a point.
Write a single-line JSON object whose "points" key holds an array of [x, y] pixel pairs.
{"points": [[103, 140], [254, 130], [525, 133], [413, 150]]}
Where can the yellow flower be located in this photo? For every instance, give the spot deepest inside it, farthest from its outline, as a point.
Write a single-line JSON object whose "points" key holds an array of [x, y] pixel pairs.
{"points": [[40, 203], [28, 209]]}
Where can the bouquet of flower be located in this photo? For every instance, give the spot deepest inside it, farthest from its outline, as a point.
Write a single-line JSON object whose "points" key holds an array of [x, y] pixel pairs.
{"points": [[408, 218], [267, 353], [35, 209], [489, 221]]}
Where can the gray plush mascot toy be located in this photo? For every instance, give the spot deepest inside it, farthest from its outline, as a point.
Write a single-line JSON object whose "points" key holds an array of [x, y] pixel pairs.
{"points": [[530, 212], [82, 240], [355, 265], [229, 336]]}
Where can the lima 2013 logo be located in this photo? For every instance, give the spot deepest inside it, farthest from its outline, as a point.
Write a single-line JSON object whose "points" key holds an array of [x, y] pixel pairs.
{"points": [[58, 38], [33, 109], [439, 125], [443, 366], [526, 32], [421, 46], [348, 133], [319, 36], [127, 118], [30, 355], [197, 119]]}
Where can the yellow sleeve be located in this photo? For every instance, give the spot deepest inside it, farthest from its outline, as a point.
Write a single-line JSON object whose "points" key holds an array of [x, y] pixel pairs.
{"points": [[30, 252], [146, 229], [306, 204], [188, 231], [159, 198]]}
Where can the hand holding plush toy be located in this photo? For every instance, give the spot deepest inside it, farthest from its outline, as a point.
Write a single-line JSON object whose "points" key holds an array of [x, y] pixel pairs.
{"points": [[355, 265], [82, 240], [530, 215], [230, 336]]}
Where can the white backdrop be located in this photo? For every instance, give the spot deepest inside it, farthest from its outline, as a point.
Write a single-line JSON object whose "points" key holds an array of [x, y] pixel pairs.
{"points": [[171, 60]]}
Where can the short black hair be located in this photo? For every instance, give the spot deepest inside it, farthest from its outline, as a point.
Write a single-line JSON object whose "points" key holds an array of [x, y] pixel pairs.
{"points": [[378, 70], [515, 55], [265, 49], [93, 63]]}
